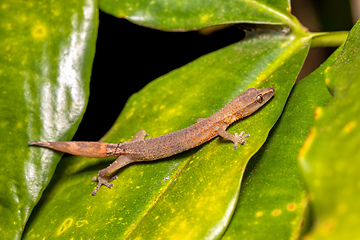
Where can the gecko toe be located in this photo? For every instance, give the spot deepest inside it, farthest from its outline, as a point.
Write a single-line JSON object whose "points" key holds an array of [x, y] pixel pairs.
{"points": [[113, 178], [95, 191], [103, 180], [109, 185], [240, 138]]}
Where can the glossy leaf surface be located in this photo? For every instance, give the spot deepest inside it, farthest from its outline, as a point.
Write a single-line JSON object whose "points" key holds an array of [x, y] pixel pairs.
{"points": [[330, 158], [190, 195], [273, 196], [47, 48], [195, 14]]}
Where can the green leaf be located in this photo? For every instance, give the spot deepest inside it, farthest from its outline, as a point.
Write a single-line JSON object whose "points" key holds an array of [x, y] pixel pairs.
{"points": [[194, 14], [330, 156], [273, 196], [47, 48], [193, 193]]}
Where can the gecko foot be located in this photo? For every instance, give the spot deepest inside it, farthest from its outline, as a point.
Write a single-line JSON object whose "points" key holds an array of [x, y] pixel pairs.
{"points": [[103, 180], [240, 138]]}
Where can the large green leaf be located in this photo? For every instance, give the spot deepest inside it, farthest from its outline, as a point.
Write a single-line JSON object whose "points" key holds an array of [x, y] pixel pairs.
{"points": [[194, 14], [194, 193], [330, 158], [47, 49], [273, 195]]}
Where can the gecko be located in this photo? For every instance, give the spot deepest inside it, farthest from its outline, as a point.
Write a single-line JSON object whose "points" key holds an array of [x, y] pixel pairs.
{"points": [[149, 149]]}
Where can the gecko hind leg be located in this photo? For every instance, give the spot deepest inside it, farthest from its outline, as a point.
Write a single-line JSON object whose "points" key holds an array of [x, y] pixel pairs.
{"points": [[106, 175]]}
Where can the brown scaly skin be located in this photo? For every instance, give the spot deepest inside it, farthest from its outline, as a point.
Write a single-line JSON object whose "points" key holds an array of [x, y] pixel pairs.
{"points": [[141, 149]]}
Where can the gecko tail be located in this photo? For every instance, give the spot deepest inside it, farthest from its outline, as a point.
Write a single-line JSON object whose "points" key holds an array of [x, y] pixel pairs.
{"points": [[85, 149]]}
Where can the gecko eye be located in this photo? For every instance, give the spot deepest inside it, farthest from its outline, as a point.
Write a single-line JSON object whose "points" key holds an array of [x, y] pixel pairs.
{"points": [[259, 98]]}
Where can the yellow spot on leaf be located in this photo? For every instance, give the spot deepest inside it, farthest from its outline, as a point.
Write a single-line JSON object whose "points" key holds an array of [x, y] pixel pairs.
{"points": [[205, 17], [81, 223], [276, 212], [259, 214], [328, 225], [291, 206], [56, 13], [65, 225], [39, 32], [262, 77], [318, 112], [349, 127], [307, 143], [130, 113]]}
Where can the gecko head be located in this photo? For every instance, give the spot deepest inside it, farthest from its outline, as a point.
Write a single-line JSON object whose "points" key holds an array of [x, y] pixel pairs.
{"points": [[251, 100]]}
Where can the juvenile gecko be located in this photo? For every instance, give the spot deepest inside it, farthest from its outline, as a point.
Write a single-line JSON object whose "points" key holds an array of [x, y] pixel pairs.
{"points": [[141, 149]]}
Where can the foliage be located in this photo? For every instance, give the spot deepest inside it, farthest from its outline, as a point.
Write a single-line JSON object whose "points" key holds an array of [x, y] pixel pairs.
{"points": [[211, 191]]}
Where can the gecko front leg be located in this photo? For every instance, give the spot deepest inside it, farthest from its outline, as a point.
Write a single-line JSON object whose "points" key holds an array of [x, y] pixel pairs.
{"points": [[106, 175], [237, 138]]}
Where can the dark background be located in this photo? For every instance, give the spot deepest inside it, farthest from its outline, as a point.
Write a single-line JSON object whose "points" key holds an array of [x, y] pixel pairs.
{"points": [[129, 56]]}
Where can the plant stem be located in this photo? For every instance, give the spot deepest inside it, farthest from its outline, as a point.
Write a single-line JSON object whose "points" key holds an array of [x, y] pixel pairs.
{"points": [[328, 39]]}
